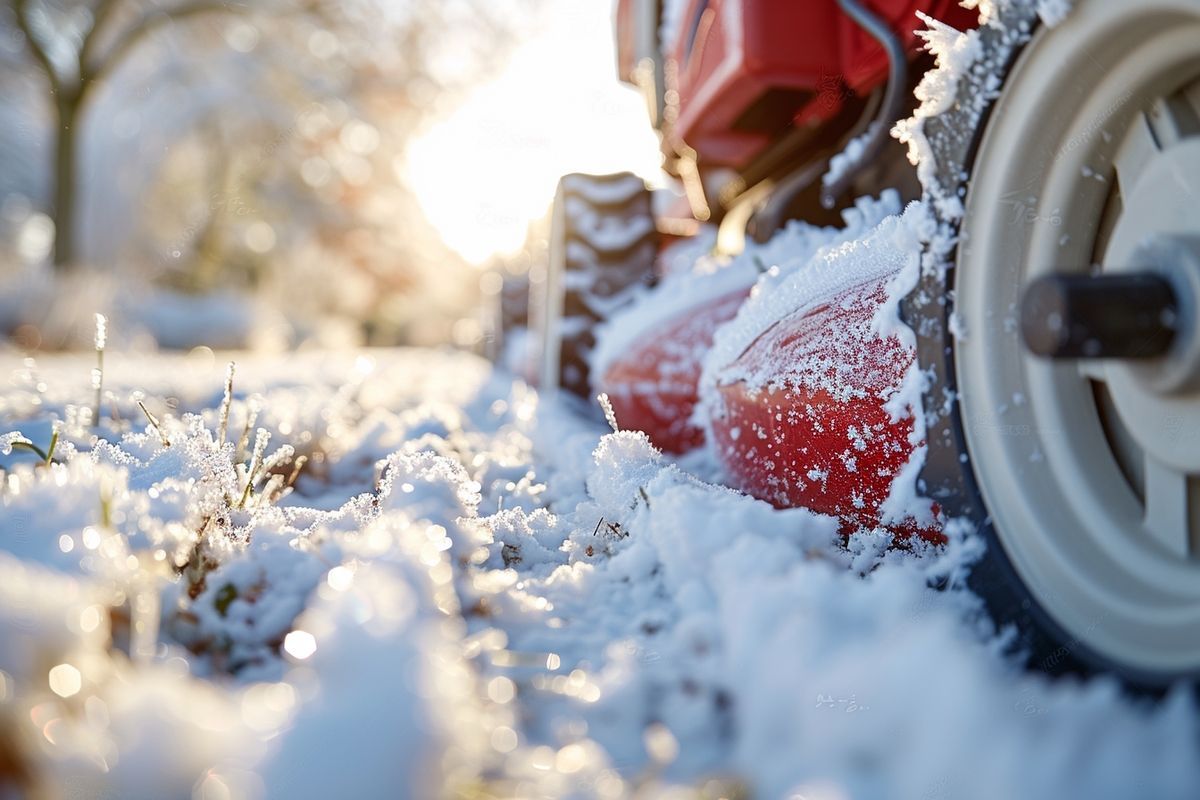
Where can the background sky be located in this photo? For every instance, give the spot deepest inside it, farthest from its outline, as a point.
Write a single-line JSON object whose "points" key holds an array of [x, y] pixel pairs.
{"points": [[484, 171]]}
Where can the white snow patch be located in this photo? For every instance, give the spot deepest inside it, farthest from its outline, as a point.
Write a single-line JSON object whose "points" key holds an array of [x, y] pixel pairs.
{"points": [[847, 158], [617, 627], [1053, 12]]}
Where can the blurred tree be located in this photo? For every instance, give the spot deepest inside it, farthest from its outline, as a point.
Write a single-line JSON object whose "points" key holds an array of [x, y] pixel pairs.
{"points": [[256, 147], [76, 52]]}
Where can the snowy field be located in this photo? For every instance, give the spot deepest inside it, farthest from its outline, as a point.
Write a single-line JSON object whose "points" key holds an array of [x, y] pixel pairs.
{"points": [[386, 574], [463, 591]]}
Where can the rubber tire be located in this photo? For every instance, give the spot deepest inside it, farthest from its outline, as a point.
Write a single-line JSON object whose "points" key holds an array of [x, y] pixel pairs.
{"points": [[590, 271]]}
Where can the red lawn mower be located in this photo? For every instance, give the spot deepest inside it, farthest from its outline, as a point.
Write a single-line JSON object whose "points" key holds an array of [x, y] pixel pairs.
{"points": [[1052, 325]]}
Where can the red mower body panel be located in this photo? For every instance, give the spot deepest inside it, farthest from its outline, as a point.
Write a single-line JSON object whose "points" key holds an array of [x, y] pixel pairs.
{"points": [[654, 387], [803, 414], [804, 418], [739, 73]]}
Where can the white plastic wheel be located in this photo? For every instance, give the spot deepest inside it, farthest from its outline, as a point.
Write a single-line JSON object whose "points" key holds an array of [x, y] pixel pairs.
{"points": [[1090, 470]]}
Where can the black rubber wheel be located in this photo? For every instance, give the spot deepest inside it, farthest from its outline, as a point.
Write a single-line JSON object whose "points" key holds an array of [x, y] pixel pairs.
{"points": [[514, 302], [603, 242]]}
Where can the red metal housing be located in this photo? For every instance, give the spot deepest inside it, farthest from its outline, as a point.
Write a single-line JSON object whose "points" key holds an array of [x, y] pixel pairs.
{"points": [[740, 72]]}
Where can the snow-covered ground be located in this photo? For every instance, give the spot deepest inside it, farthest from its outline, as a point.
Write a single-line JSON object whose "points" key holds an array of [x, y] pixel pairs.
{"points": [[468, 591], [404, 574]]}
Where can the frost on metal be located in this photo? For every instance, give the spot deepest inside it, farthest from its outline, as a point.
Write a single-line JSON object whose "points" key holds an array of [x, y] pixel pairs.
{"points": [[968, 71], [956, 52]]}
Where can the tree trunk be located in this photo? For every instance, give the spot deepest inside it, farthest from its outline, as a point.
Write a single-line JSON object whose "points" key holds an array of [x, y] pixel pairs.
{"points": [[65, 196]]}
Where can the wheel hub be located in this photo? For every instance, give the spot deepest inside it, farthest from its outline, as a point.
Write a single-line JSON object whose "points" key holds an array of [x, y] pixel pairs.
{"points": [[1156, 398]]}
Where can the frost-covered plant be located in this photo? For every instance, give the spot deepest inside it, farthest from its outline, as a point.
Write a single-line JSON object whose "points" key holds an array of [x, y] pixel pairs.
{"points": [[17, 441], [226, 403], [98, 372], [227, 501], [154, 423]]}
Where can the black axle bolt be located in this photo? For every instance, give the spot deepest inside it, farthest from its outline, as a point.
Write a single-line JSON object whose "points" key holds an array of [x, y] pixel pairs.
{"points": [[1129, 316]]}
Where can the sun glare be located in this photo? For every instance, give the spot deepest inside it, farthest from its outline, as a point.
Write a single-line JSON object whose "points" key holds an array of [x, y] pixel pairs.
{"points": [[482, 174]]}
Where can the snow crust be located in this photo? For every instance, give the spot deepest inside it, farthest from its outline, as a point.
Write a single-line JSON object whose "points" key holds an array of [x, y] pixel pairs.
{"points": [[811, 266], [608, 192], [469, 591], [709, 277], [606, 232], [478, 592], [1053, 12], [847, 158], [955, 52]]}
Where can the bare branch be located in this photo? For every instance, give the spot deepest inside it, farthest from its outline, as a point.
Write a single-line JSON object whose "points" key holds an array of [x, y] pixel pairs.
{"points": [[21, 9], [99, 19], [147, 25]]}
